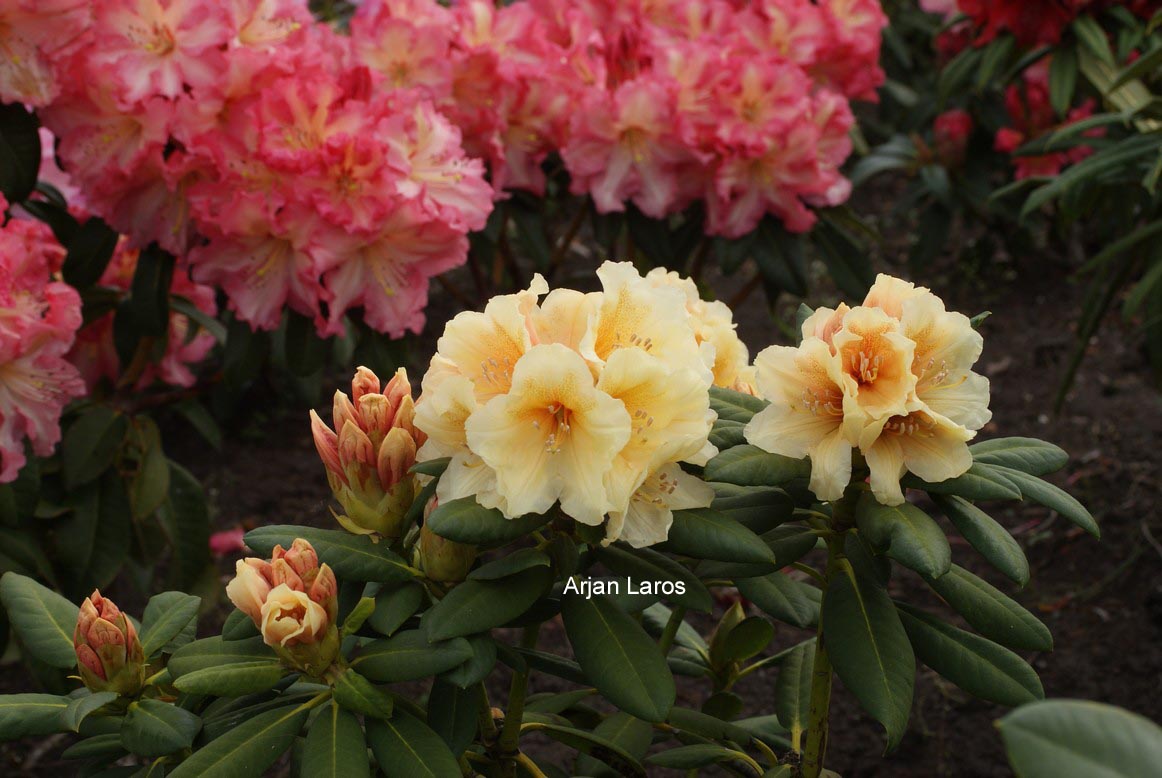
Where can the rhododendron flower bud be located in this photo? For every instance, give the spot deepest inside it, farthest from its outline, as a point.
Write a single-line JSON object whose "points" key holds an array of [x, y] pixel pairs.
{"points": [[369, 453], [443, 560], [293, 600], [109, 654], [951, 130]]}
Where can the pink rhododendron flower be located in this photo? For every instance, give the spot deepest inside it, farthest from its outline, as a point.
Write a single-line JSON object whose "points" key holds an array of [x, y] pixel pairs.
{"points": [[38, 319], [951, 131]]}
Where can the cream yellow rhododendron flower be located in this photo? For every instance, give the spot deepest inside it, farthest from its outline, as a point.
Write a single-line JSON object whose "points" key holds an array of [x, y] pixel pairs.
{"points": [[589, 400], [892, 377]]}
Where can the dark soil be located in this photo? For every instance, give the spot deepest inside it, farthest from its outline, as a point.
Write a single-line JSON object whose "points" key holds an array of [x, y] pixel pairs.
{"points": [[1102, 600]]}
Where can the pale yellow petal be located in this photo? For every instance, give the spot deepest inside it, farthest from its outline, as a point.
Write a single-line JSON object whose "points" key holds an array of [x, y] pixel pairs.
{"points": [[965, 402], [889, 293], [830, 466], [885, 459]]}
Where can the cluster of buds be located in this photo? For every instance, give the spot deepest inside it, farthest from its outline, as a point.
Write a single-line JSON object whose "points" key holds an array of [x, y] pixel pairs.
{"points": [[442, 560], [369, 452], [292, 599], [109, 654]]}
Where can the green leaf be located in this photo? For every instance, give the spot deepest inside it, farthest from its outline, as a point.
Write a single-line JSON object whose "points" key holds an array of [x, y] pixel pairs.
{"points": [[228, 668], [150, 484], [432, 467], [466, 521], [357, 694], [335, 746], [202, 421], [759, 509], [394, 606], [703, 533], [593, 744], [474, 606], [1029, 455], [980, 482], [1093, 38], [80, 708], [734, 406], [550, 703], [1050, 496], [870, 650], [452, 714], [987, 536], [1062, 80], [632, 737], [1067, 738], [166, 615], [618, 657], [30, 714], [248, 749], [695, 756], [405, 747], [148, 304], [359, 614], [751, 466], [510, 564], [89, 250], [409, 656], [991, 612], [43, 620], [238, 626], [644, 564], [99, 747], [155, 728], [747, 638], [19, 151], [793, 688], [550, 664], [187, 520], [354, 557], [979, 666], [783, 598], [91, 443], [906, 534]]}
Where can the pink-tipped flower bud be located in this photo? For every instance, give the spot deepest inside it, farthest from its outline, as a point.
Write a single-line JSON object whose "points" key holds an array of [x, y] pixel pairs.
{"points": [[109, 654], [293, 600], [369, 452]]}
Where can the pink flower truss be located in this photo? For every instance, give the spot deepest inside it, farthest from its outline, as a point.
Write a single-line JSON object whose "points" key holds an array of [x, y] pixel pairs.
{"points": [[38, 319]]}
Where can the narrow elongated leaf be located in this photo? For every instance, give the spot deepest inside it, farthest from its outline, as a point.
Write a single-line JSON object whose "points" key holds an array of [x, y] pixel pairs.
{"points": [[1050, 496], [618, 657], [906, 534], [452, 714], [475, 606], [759, 509], [870, 650], [335, 747], [405, 747], [1080, 739], [80, 708], [22, 715], [1029, 455], [187, 520], [166, 615], [550, 664], [979, 666], [703, 533], [631, 735], [593, 744], [409, 656], [228, 668], [987, 536], [694, 757], [991, 612], [19, 151], [43, 619], [751, 466], [731, 405], [466, 521], [394, 606], [980, 482], [644, 564], [511, 564], [248, 749], [782, 598], [356, 693], [91, 443], [154, 728], [477, 668], [793, 688], [356, 557]]}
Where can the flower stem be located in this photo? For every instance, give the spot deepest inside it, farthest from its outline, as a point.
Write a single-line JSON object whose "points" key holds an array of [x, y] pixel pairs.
{"points": [[508, 744], [815, 747]]}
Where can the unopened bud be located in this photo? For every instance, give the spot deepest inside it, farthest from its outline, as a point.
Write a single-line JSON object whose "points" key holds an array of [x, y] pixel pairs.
{"points": [[109, 653]]}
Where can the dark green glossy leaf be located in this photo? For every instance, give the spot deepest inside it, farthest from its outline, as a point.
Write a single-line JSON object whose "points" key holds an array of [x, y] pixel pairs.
{"points": [[22, 715], [154, 728], [987, 536], [409, 656], [783, 598], [703, 533], [356, 693], [466, 521], [593, 744], [906, 534], [1029, 455], [355, 557], [992, 613], [91, 443], [42, 619], [405, 747], [751, 466], [166, 615], [474, 606], [335, 747], [248, 749], [643, 564]]}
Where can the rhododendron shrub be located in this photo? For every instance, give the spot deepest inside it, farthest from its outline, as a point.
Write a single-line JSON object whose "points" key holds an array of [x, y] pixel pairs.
{"points": [[611, 459]]}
